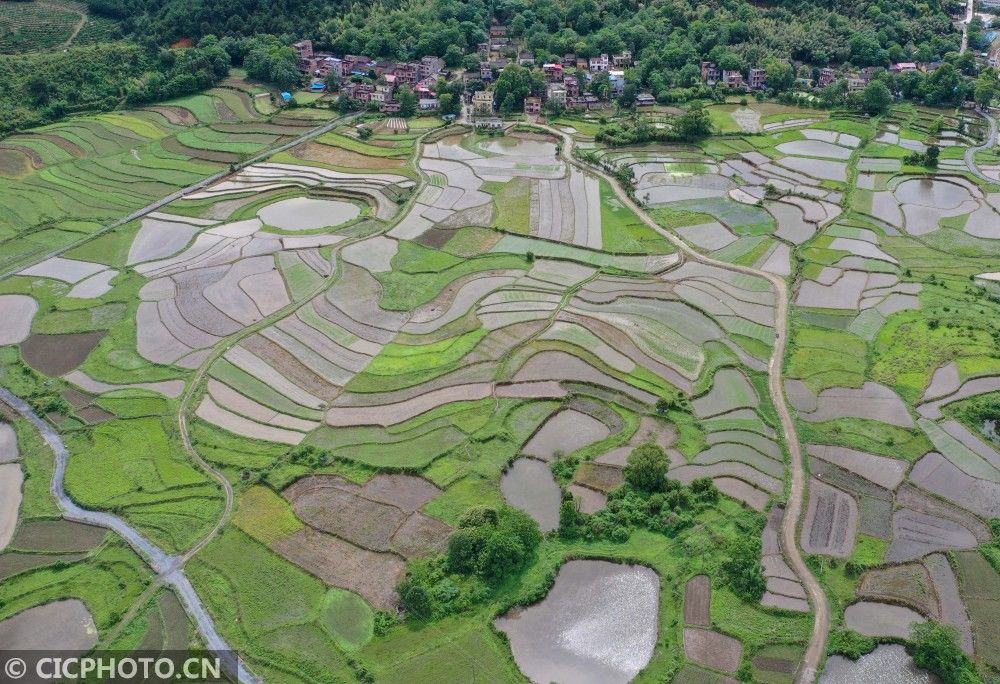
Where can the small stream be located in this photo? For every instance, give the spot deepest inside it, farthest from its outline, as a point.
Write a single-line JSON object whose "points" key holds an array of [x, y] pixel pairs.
{"points": [[166, 566]]}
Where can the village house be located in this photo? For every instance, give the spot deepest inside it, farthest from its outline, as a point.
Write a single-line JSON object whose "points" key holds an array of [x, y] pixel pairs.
{"points": [[903, 67], [709, 73], [553, 72], [430, 102], [378, 97], [733, 79], [482, 102], [390, 107], [582, 63], [584, 102], [525, 58], [484, 50], [556, 92], [855, 82], [485, 71], [569, 60], [622, 59], [356, 65], [406, 72], [303, 49], [493, 122], [532, 105], [572, 84], [330, 65], [616, 78], [599, 63], [645, 100], [498, 31], [826, 77], [757, 79], [362, 92], [430, 66]]}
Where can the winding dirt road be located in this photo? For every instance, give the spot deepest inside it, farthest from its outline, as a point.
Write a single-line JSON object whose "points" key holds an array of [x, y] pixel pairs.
{"points": [[816, 650]]}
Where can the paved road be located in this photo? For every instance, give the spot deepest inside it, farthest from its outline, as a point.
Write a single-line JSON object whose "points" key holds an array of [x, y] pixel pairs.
{"points": [[816, 650], [160, 203], [166, 566], [991, 141], [969, 7]]}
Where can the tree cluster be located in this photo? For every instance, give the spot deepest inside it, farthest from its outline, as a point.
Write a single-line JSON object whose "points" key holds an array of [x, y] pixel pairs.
{"points": [[39, 88], [935, 647], [648, 499], [489, 546]]}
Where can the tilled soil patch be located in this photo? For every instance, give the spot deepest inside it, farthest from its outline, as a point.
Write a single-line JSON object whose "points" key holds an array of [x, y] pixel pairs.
{"points": [[55, 355], [715, 650], [341, 564], [698, 601]]}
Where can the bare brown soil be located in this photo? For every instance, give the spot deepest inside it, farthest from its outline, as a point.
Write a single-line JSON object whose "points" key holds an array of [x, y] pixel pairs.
{"points": [[339, 563], [175, 115], [698, 601], [95, 414], [56, 355], [57, 536], [599, 476], [403, 491], [14, 163], [36, 159], [715, 650], [381, 516], [338, 156]]}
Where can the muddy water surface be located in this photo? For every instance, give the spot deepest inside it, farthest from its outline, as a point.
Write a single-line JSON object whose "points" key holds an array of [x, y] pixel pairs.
{"points": [[598, 625], [528, 485]]}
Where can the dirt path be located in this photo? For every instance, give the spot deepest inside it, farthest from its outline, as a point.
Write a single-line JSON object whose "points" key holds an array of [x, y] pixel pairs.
{"points": [[76, 27], [991, 140], [793, 510]]}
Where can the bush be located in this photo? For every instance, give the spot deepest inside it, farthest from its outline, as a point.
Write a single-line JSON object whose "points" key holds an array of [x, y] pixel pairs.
{"points": [[935, 648], [850, 644], [742, 569]]}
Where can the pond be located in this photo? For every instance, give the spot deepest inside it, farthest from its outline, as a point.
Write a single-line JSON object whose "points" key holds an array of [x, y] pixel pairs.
{"points": [[305, 213], [597, 625], [887, 664], [528, 485]]}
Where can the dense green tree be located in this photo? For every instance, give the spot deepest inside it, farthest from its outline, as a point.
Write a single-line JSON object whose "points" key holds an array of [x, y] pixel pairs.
{"points": [[693, 124], [875, 98], [407, 102], [514, 84], [646, 468], [780, 74]]}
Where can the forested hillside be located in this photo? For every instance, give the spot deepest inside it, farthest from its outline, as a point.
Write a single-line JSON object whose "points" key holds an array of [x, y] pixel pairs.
{"points": [[669, 38]]}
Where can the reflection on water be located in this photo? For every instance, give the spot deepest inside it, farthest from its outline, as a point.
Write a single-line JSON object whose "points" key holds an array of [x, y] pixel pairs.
{"points": [[990, 430], [887, 664], [598, 625], [528, 484]]}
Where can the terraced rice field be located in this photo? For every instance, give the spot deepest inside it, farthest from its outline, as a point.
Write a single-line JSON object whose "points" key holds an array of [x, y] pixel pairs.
{"points": [[368, 341], [87, 172]]}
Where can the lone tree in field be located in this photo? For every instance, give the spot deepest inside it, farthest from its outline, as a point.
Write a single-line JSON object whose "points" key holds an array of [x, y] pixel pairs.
{"points": [[646, 468]]}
